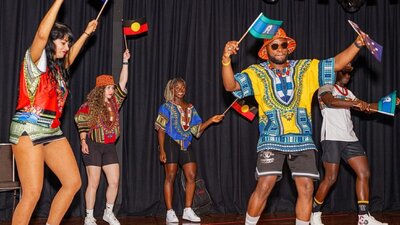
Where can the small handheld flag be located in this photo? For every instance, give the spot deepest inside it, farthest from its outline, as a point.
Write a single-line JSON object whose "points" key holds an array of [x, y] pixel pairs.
{"points": [[264, 27], [375, 48], [387, 104], [135, 27], [246, 107]]}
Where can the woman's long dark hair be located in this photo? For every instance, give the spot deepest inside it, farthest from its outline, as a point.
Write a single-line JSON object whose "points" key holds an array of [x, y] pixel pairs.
{"points": [[59, 31]]}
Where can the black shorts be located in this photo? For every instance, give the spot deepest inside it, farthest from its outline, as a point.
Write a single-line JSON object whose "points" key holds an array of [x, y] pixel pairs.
{"points": [[301, 164], [332, 151], [175, 154], [100, 154]]}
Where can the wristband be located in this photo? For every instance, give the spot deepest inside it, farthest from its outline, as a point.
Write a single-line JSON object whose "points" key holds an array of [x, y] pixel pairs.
{"points": [[226, 64], [125, 63], [357, 45]]}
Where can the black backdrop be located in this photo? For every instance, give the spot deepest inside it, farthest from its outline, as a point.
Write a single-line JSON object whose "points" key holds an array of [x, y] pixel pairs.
{"points": [[186, 39]]}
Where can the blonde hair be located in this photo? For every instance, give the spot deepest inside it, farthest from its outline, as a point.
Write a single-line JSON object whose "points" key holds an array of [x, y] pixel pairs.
{"points": [[169, 88]]}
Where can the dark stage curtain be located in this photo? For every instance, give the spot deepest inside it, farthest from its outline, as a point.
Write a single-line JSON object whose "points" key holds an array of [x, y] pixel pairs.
{"points": [[186, 39]]}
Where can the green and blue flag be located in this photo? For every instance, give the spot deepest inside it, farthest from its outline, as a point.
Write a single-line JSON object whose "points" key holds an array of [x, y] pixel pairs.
{"points": [[387, 104], [265, 28]]}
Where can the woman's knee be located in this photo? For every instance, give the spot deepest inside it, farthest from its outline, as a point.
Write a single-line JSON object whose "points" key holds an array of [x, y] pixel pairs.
{"points": [[31, 195], [73, 184], [170, 177]]}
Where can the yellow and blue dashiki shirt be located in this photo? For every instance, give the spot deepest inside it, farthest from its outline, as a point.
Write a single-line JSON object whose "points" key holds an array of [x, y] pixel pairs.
{"points": [[170, 119], [285, 102]]}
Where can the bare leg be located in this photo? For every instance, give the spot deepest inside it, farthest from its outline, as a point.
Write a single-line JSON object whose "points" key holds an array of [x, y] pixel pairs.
{"points": [[30, 162], [258, 198], [93, 174], [170, 174], [60, 159], [112, 175], [331, 173], [190, 170], [360, 166], [305, 188]]}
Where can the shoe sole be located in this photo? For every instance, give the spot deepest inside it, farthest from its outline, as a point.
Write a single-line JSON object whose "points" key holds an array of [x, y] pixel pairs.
{"points": [[196, 221]]}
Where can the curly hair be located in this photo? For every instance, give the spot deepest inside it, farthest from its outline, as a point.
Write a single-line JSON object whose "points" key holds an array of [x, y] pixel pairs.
{"points": [[96, 104], [169, 88], [59, 31]]}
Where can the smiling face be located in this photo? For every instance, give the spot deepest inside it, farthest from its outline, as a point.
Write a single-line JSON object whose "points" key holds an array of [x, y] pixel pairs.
{"points": [[109, 91], [61, 47], [179, 90], [278, 51]]}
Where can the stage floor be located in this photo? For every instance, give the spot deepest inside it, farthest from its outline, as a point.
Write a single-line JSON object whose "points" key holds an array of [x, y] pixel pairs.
{"points": [[393, 218]]}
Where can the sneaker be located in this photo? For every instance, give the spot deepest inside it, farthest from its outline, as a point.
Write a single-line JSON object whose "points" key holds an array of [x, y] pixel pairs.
{"points": [[90, 221], [171, 217], [316, 218], [368, 219], [110, 218], [188, 214]]}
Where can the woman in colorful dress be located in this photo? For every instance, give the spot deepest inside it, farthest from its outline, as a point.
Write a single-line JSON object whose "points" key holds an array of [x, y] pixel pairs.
{"points": [[98, 124], [180, 121], [35, 128]]}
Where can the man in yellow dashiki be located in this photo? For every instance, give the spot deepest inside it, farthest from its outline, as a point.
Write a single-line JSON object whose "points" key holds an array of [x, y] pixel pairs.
{"points": [[283, 89]]}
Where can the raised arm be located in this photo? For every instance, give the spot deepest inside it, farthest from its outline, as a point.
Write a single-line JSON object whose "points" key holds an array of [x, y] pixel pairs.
{"points": [[347, 55], [77, 46], [43, 31], [123, 77], [228, 79]]}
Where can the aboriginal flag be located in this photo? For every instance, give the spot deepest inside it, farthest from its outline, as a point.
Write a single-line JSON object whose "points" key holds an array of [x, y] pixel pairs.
{"points": [[135, 27], [247, 107]]}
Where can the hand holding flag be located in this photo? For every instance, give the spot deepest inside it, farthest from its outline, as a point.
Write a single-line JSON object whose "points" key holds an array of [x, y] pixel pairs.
{"points": [[375, 48]]}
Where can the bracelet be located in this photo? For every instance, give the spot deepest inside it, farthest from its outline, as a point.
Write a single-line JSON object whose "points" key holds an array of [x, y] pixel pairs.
{"points": [[226, 64], [86, 33], [83, 139], [125, 63], [357, 45]]}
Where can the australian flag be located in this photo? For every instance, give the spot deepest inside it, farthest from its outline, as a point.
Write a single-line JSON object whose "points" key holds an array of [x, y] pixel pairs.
{"points": [[387, 104], [264, 27], [375, 48]]}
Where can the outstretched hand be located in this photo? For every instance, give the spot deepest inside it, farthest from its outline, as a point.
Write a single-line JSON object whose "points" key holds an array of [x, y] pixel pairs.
{"points": [[126, 56], [91, 27], [362, 106], [231, 48], [217, 118]]}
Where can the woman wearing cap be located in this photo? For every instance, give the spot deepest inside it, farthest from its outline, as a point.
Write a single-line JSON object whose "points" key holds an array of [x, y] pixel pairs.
{"points": [[98, 124], [180, 121], [338, 140], [35, 128], [283, 89]]}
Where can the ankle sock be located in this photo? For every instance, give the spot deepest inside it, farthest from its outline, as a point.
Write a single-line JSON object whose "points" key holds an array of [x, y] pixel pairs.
{"points": [[363, 207], [109, 207], [301, 222], [89, 212], [250, 220]]}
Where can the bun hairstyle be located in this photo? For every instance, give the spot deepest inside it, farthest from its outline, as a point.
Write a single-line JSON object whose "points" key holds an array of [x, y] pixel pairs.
{"points": [[169, 88]]}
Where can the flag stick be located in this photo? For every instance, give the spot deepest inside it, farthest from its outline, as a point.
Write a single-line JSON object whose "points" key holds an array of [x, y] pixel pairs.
{"points": [[249, 29], [126, 44], [230, 106], [101, 10]]}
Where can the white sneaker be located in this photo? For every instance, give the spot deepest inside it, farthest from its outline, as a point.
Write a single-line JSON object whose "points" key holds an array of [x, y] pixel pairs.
{"points": [[90, 221], [171, 217], [110, 218], [368, 219], [188, 214], [316, 218]]}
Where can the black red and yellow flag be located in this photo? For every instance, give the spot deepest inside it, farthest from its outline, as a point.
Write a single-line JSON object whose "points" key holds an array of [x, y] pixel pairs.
{"points": [[135, 27], [247, 107]]}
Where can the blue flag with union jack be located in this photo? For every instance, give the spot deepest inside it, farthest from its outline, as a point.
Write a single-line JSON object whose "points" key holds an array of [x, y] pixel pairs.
{"points": [[375, 48], [264, 27], [387, 104]]}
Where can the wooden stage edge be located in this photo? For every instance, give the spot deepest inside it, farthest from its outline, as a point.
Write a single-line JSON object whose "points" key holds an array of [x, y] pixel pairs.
{"points": [[343, 218]]}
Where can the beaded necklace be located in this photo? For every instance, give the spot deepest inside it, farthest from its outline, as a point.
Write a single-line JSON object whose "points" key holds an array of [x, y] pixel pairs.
{"points": [[280, 73], [344, 90]]}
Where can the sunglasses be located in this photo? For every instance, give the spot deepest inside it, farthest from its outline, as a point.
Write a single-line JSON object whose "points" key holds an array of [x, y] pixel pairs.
{"points": [[283, 45]]}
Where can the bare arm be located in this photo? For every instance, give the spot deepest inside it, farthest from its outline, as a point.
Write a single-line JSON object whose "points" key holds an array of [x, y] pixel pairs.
{"points": [[84, 146], [211, 120], [43, 32], [347, 55], [161, 139], [76, 48], [228, 79], [333, 102], [123, 77]]}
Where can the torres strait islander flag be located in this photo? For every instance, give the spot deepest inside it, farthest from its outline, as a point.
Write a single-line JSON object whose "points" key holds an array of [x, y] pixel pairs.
{"points": [[246, 107], [387, 104], [135, 27], [264, 27]]}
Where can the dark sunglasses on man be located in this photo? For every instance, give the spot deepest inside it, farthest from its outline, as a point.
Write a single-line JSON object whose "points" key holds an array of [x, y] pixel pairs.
{"points": [[283, 45]]}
